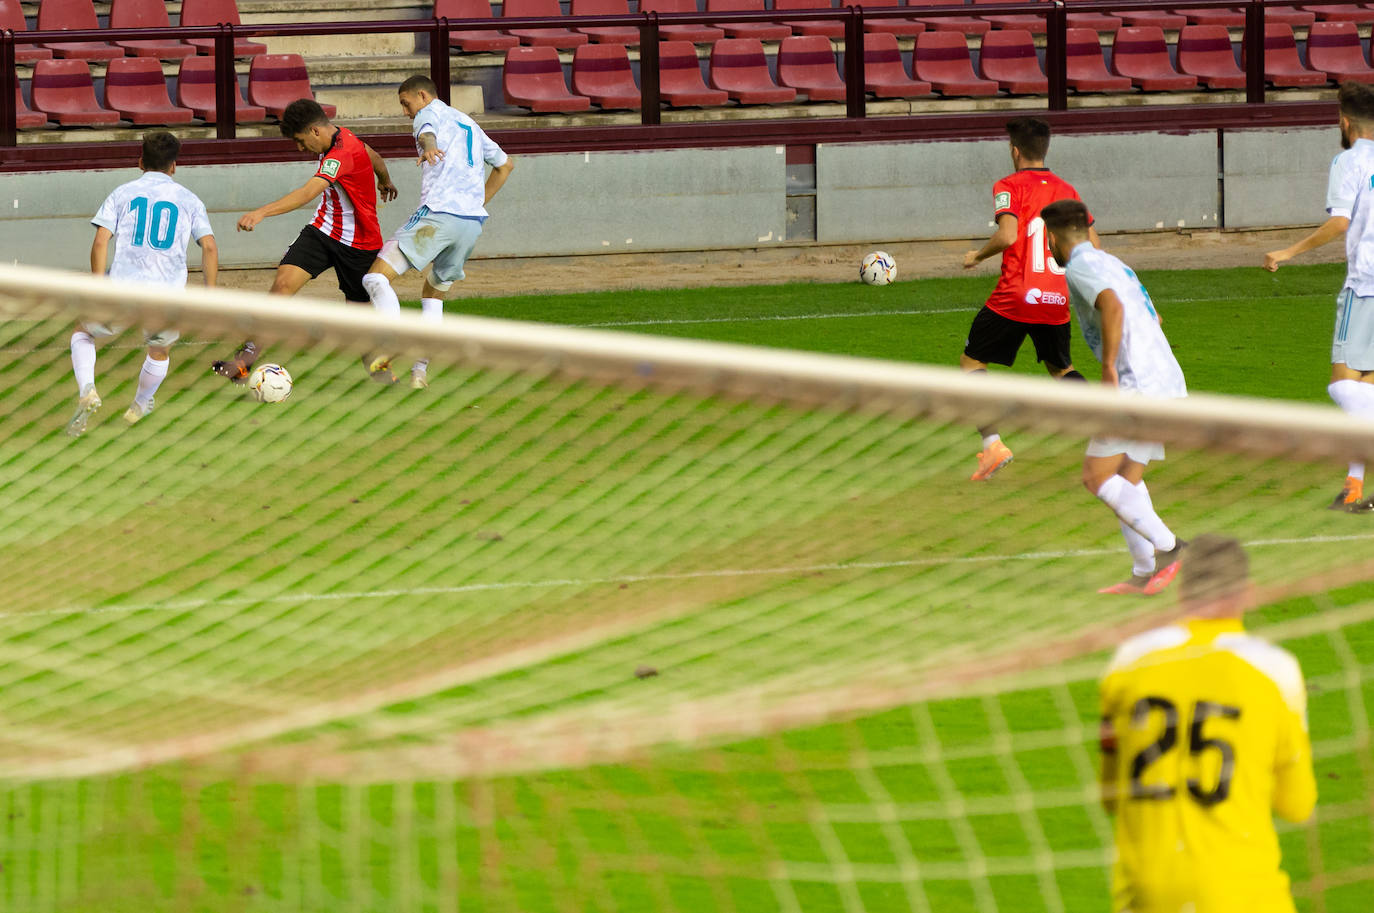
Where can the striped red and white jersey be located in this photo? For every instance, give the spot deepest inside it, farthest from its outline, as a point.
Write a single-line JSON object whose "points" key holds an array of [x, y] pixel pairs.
{"points": [[348, 207]]}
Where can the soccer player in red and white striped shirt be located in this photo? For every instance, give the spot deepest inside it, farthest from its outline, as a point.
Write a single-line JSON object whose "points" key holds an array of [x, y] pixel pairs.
{"points": [[344, 234]]}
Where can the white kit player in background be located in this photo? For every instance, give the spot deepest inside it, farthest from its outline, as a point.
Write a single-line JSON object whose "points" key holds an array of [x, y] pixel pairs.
{"points": [[1119, 323], [152, 221], [1350, 211], [454, 190]]}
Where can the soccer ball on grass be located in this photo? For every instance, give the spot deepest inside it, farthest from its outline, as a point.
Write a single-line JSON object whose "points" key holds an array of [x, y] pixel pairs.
{"points": [[878, 268], [269, 383]]}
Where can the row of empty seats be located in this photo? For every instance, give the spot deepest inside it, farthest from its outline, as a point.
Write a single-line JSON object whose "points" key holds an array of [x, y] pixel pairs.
{"points": [[135, 91], [70, 15], [941, 62]]}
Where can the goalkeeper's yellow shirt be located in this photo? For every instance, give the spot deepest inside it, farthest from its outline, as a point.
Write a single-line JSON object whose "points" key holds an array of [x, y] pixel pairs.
{"points": [[1209, 730]]}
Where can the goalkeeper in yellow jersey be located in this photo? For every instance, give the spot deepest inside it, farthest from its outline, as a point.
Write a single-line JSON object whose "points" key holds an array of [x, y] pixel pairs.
{"points": [[1204, 738]]}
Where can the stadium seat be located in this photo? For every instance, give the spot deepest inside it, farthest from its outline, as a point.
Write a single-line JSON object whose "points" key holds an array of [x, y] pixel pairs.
{"points": [[1160, 19], [63, 90], [906, 27], [66, 15], [135, 87], [623, 35], [884, 74], [831, 29], [763, 31], [1140, 53], [276, 80], [532, 77], [1085, 68], [807, 63], [1028, 22], [602, 73], [1098, 22], [1282, 66], [1335, 48], [147, 14], [739, 67], [1289, 15], [1231, 18], [12, 18], [472, 40], [551, 37], [1205, 51], [25, 119], [702, 33], [1008, 58], [215, 12], [196, 90], [965, 25], [1341, 13], [942, 59], [679, 77]]}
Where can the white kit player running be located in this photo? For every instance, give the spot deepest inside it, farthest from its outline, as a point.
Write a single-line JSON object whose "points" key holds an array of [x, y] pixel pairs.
{"points": [[1119, 323], [454, 190], [1350, 210], [152, 220]]}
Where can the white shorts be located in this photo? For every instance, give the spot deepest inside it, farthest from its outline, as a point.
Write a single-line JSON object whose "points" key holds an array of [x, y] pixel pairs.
{"points": [[438, 240], [1352, 343], [1142, 452], [161, 339]]}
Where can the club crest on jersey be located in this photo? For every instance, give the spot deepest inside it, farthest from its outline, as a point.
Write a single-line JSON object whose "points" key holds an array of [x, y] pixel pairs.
{"points": [[1002, 200], [330, 168], [1035, 296]]}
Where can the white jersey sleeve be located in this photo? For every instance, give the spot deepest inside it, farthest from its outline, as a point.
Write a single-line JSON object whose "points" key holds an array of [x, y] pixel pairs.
{"points": [[107, 216], [1342, 185]]}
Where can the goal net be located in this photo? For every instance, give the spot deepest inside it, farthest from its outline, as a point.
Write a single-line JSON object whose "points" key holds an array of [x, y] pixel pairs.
{"points": [[603, 621]]}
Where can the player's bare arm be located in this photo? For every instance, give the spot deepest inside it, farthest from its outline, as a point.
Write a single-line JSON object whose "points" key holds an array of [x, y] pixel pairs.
{"points": [[430, 153], [1327, 232], [209, 260], [1093, 238], [1109, 305], [385, 189], [1004, 237], [100, 250], [497, 179], [293, 200]]}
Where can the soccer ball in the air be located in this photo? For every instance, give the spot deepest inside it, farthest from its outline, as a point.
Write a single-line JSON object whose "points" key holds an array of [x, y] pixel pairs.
{"points": [[269, 383], [878, 268]]}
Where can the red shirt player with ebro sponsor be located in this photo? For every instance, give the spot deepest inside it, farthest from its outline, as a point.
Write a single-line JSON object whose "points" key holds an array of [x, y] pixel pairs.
{"points": [[343, 235], [1032, 297]]}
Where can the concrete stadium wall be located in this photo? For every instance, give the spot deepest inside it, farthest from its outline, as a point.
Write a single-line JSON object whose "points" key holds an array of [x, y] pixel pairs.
{"points": [[700, 199]]}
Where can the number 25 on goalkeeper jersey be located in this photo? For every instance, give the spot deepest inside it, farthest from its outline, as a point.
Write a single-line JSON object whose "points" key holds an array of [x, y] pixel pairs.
{"points": [[1204, 732]]}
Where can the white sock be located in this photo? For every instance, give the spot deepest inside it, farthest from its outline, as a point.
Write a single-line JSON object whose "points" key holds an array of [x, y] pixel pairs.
{"points": [[431, 309], [150, 378], [382, 294], [990, 439], [1142, 551], [1354, 398], [83, 359], [1133, 507]]}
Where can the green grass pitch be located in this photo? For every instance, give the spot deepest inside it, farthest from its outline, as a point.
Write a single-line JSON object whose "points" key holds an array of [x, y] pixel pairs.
{"points": [[973, 803]]}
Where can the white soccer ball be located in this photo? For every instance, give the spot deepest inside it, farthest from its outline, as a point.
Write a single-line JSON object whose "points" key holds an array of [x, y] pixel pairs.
{"points": [[269, 383], [878, 268]]}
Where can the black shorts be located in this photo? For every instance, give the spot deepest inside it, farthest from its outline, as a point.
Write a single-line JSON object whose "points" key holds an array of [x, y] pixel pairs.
{"points": [[314, 251], [995, 340]]}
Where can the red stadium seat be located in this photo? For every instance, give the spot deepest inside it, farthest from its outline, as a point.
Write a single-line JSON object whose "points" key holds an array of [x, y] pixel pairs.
{"points": [[1335, 48], [1231, 18], [906, 28], [1008, 58], [135, 87], [25, 119], [942, 59], [1098, 22], [552, 37], [63, 90], [1289, 15], [533, 78], [196, 90], [276, 80], [739, 67], [884, 74], [470, 40], [1085, 69], [1205, 51], [807, 63], [1341, 13], [621, 35], [1140, 53], [66, 15], [12, 18], [1026, 21], [602, 73], [1160, 19], [966, 25], [215, 12], [679, 77], [763, 31], [702, 33], [1282, 66], [147, 14], [831, 29]]}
